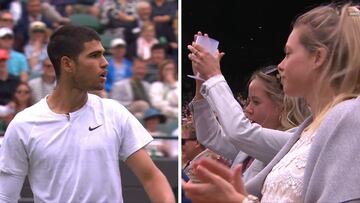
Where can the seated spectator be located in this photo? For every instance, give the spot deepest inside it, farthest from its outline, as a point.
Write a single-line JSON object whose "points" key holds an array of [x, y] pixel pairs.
{"points": [[44, 85], [8, 82], [133, 92], [50, 11], [30, 12], [158, 56], [17, 63], [83, 6], [6, 19], [151, 120], [163, 14], [143, 11], [119, 17], [143, 14], [190, 147], [35, 49], [63, 6], [21, 100], [164, 93], [119, 67], [146, 40]]}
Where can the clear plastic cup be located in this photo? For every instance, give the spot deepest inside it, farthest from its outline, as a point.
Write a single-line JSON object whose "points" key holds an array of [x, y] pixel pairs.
{"points": [[210, 44]]}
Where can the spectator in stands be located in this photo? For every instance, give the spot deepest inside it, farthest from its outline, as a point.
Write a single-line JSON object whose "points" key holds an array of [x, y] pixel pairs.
{"points": [[35, 49], [321, 64], [49, 10], [146, 41], [151, 121], [143, 11], [119, 66], [31, 11], [8, 82], [133, 92], [6, 19], [158, 56], [190, 147], [62, 6], [44, 85], [71, 135], [164, 93], [17, 63], [163, 14], [143, 16], [21, 100], [119, 17], [22, 97], [83, 6]]}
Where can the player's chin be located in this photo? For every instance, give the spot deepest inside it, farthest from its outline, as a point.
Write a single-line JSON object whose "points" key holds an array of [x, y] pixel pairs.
{"points": [[98, 87]]}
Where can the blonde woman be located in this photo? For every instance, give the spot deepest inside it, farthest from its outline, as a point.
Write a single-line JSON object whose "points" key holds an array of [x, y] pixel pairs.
{"points": [[322, 65], [35, 48], [266, 106]]}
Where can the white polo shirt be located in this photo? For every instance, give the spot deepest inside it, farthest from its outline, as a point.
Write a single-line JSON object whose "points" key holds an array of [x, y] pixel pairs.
{"points": [[72, 158]]}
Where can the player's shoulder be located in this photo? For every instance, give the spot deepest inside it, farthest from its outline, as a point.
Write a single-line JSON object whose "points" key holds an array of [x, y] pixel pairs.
{"points": [[31, 115], [105, 103]]}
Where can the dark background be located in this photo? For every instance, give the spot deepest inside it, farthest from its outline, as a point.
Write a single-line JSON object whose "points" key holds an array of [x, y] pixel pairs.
{"points": [[251, 33]]}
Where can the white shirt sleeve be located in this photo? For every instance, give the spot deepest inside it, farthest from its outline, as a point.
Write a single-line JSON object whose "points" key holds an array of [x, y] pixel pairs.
{"points": [[10, 187], [13, 164], [134, 135]]}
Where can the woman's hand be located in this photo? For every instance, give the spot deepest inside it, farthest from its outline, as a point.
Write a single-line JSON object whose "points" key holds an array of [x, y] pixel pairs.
{"points": [[218, 183], [204, 62]]}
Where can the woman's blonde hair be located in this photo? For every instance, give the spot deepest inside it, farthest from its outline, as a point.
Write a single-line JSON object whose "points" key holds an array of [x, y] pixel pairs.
{"points": [[337, 30], [293, 110]]}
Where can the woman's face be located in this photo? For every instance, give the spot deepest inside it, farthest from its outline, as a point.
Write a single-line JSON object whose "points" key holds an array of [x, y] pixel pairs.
{"points": [[260, 108], [296, 69], [149, 33], [38, 36], [22, 93], [169, 70]]}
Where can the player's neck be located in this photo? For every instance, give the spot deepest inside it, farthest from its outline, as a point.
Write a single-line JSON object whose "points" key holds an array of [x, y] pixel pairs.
{"points": [[65, 101]]}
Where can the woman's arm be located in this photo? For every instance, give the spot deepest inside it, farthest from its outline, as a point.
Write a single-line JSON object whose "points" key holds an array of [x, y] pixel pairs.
{"points": [[209, 132], [236, 130]]}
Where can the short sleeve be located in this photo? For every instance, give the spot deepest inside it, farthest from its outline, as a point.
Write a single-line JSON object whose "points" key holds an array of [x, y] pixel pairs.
{"points": [[134, 135], [13, 155]]}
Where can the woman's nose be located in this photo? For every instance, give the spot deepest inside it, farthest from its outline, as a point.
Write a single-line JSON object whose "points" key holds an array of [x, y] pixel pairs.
{"points": [[249, 110]]}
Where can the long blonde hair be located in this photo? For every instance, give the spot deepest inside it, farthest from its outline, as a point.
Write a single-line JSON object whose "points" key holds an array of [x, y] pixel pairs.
{"points": [[337, 30], [293, 110]]}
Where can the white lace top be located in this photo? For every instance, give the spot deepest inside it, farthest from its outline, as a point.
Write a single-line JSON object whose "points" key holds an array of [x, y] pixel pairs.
{"points": [[285, 181]]}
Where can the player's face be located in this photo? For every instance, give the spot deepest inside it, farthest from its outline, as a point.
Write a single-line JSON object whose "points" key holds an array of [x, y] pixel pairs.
{"points": [[91, 67]]}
